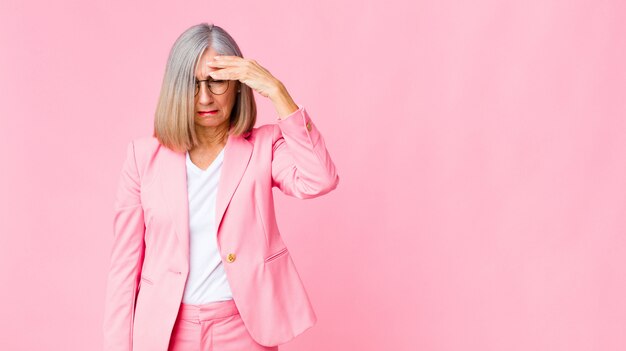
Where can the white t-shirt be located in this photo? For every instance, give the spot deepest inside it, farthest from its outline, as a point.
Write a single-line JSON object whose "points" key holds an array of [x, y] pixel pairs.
{"points": [[207, 280]]}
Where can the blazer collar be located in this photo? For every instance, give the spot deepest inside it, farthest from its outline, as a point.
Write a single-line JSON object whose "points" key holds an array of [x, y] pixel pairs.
{"points": [[173, 177]]}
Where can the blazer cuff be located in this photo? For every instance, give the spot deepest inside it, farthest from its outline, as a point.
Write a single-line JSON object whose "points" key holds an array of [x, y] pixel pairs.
{"points": [[299, 125]]}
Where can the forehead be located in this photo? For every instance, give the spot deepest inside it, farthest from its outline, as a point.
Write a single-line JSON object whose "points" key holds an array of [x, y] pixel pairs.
{"points": [[202, 71]]}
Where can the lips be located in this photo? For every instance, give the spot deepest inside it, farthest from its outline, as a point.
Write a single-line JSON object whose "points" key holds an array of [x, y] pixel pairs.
{"points": [[211, 112]]}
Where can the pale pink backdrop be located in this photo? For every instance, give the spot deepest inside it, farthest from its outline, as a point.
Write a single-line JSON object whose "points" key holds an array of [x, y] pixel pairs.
{"points": [[480, 144]]}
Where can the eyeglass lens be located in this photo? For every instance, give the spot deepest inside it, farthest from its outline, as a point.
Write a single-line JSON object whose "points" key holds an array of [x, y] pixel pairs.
{"points": [[216, 87]]}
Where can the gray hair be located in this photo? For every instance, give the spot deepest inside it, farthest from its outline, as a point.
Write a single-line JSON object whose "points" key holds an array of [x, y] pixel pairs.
{"points": [[174, 116]]}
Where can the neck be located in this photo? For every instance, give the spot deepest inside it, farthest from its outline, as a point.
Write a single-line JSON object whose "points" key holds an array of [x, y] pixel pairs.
{"points": [[212, 137]]}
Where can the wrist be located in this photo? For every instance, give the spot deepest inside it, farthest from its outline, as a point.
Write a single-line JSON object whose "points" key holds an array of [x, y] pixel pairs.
{"points": [[283, 103], [278, 93]]}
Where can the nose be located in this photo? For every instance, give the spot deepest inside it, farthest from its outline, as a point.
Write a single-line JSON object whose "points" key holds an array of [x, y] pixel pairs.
{"points": [[205, 97]]}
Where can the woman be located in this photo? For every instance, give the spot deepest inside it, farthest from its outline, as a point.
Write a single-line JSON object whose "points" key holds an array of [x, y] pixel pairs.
{"points": [[198, 262]]}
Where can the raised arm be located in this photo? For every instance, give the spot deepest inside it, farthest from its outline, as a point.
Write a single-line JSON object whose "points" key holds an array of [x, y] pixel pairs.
{"points": [[126, 258], [301, 164]]}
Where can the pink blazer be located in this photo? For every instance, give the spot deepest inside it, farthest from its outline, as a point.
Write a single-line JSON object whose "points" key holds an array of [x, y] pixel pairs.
{"points": [[149, 260]]}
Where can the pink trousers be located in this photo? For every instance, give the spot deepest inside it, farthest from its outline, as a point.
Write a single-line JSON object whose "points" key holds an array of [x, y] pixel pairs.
{"points": [[216, 326]]}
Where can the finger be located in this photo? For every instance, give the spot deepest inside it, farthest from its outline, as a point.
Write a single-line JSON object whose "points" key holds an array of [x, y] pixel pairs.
{"points": [[222, 63], [216, 64], [224, 73]]}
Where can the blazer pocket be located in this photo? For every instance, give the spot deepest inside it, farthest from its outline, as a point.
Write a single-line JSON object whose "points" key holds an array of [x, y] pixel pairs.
{"points": [[146, 280], [276, 255]]}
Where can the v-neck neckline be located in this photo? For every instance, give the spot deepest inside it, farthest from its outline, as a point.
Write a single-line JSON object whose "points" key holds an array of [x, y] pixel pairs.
{"points": [[209, 168]]}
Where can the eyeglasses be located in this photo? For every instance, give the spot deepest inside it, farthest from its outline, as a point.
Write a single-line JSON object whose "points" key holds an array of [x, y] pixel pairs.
{"points": [[217, 87]]}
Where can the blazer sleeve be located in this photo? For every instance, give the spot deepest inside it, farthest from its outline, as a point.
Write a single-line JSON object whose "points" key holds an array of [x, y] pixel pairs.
{"points": [[301, 164], [126, 258]]}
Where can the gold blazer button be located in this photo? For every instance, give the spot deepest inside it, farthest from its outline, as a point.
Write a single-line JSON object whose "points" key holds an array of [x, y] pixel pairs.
{"points": [[308, 126], [231, 257]]}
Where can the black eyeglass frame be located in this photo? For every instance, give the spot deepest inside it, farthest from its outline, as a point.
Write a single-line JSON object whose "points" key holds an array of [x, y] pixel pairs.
{"points": [[209, 85]]}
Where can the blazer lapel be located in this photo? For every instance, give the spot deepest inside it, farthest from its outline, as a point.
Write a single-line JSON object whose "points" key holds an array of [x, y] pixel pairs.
{"points": [[173, 177]]}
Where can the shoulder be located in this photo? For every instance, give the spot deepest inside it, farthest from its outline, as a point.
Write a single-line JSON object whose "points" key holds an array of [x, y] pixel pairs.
{"points": [[273, 131], [262, 134], [143, 148], [145, 142]]}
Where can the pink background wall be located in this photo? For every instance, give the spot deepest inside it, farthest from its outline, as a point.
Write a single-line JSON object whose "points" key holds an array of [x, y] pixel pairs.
{"points": [[480, 146]]}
